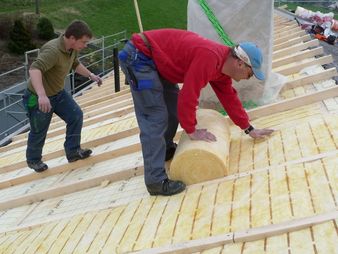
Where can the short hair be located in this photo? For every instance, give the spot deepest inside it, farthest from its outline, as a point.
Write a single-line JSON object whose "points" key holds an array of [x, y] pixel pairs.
{"points": [[78, 29]]}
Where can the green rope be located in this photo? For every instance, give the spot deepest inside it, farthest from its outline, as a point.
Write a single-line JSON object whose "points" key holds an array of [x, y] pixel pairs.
{"points": [[214, 21]]}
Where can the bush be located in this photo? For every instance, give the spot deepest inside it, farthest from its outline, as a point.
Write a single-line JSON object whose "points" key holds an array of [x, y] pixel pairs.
{"points": [[45, 29], [5, 26], [20, 39]]}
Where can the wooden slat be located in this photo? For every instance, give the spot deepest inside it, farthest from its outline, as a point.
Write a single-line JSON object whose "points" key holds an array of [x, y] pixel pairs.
{"points": [[94, 114], [312, 78], [71, 187], [292, 103], [297, 57], [291, 42], [253, 234], [295, 48], [70, 166], [286, 28], [92, 100], [286, 33], [88, 122], [299, 66], [93, 143], [287, 37]]}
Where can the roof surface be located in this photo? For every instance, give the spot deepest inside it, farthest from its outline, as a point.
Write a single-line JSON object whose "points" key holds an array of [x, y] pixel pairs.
{"points": [[280, 195]]}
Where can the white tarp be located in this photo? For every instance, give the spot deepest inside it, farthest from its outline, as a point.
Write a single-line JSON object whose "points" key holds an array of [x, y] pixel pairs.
{"points": [[242, 20]]}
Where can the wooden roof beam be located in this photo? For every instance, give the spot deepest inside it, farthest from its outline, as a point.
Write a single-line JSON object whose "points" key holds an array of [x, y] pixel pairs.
{"points": [[293, 49], [297, 57], [299, 66], [251, 234], [293, 103]]}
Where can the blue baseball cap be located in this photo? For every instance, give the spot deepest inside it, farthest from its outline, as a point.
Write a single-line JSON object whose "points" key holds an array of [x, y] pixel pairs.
{"points": [[249, 53]]}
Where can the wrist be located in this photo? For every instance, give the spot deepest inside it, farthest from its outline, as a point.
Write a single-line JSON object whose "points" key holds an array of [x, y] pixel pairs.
{"points": [[249, 129], [41, 94], [91, 75]]}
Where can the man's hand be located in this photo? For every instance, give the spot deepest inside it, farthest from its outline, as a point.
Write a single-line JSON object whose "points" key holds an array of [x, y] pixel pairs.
{"points": [[44, 104], [260, 133], [202, 134], [96, 78]]}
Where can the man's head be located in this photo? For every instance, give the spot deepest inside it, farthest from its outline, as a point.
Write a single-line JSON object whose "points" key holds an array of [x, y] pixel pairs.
{"points": [[78, 34], [245, 61]]}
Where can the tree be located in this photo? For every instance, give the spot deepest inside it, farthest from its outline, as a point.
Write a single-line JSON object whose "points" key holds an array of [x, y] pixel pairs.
{"points": [[45, 29], [20, 40]]}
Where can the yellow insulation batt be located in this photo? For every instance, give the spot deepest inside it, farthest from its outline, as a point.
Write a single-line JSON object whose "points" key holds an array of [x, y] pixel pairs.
{"points": [[199, 161]]}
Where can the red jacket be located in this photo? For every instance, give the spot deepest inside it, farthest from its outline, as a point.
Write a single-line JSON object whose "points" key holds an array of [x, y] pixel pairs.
{"points": [[185, 57]]}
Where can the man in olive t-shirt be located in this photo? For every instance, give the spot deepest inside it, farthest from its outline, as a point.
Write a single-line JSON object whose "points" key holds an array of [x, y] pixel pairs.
{"points": [[45, 94]]}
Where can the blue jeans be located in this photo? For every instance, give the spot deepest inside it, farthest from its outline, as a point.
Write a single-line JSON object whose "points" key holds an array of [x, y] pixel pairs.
{"points": [[155, 102], [66, 108]]}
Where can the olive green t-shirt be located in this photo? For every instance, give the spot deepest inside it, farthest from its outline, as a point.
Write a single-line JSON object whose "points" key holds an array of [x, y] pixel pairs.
{"points": [[55, 63]]}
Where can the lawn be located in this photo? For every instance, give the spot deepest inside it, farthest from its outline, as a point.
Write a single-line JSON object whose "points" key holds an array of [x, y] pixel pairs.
{"points": [[105, 16]]}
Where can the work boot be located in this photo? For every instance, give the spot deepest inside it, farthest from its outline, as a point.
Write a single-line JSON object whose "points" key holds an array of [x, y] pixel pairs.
{"points": [[37, 166], [79, 154], [166, 188], [170, 152]]}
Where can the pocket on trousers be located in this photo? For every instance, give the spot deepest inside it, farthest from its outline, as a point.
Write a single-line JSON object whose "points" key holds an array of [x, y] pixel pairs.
{"points": [[150, 97], [143, 76]]}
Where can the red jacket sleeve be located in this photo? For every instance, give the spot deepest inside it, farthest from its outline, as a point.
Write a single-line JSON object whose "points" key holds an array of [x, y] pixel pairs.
{"points": [[201, 68], [231, 103]]}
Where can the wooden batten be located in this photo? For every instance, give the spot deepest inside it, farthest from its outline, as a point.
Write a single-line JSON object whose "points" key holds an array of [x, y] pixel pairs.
{"points": [[294, 49], [293, 103], [299, 66], [70, 166], [292, 42], [286, 28], [88, 122], [324, 75], [92, 143], [105, 103], [110, 104], [297, 57], [95, 99], [246, 236], [286, 33], [287, 37], [95, 113], [71, 187]]}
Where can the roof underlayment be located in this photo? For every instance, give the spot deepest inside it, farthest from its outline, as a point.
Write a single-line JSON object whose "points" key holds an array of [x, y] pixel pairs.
{"points": [[280, 195]]}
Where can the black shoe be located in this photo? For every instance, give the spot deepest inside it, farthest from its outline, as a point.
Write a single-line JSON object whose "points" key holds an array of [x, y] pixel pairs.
{"points": [[37, 166], [166, 188], [79, 154], [169, 154]]}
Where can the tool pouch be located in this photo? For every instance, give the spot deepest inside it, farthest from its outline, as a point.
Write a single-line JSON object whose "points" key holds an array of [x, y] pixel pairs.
{"points": [[139, 69], [29, 100]]}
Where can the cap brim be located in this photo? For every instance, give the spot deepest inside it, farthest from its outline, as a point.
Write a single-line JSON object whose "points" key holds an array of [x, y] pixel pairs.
{"points": [[258, 74]]}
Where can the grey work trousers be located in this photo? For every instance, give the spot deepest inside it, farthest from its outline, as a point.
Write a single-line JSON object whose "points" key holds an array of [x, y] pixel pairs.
{"points": [[155, 102]]}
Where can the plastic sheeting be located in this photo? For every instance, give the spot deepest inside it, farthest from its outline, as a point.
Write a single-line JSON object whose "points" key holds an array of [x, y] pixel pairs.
{"points": [[242, 20]]}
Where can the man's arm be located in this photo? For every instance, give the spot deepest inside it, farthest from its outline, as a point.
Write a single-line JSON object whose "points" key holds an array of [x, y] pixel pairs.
{"points": [[233, 106], [82, 70], [43, 100], [196, 77]]}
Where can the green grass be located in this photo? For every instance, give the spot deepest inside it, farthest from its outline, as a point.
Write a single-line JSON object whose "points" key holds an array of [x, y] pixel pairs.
{"points": [[106, 16], [246, 104]]}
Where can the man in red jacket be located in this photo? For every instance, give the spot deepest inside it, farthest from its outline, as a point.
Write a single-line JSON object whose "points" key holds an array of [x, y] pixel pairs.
{"points": [[154, 62]]}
